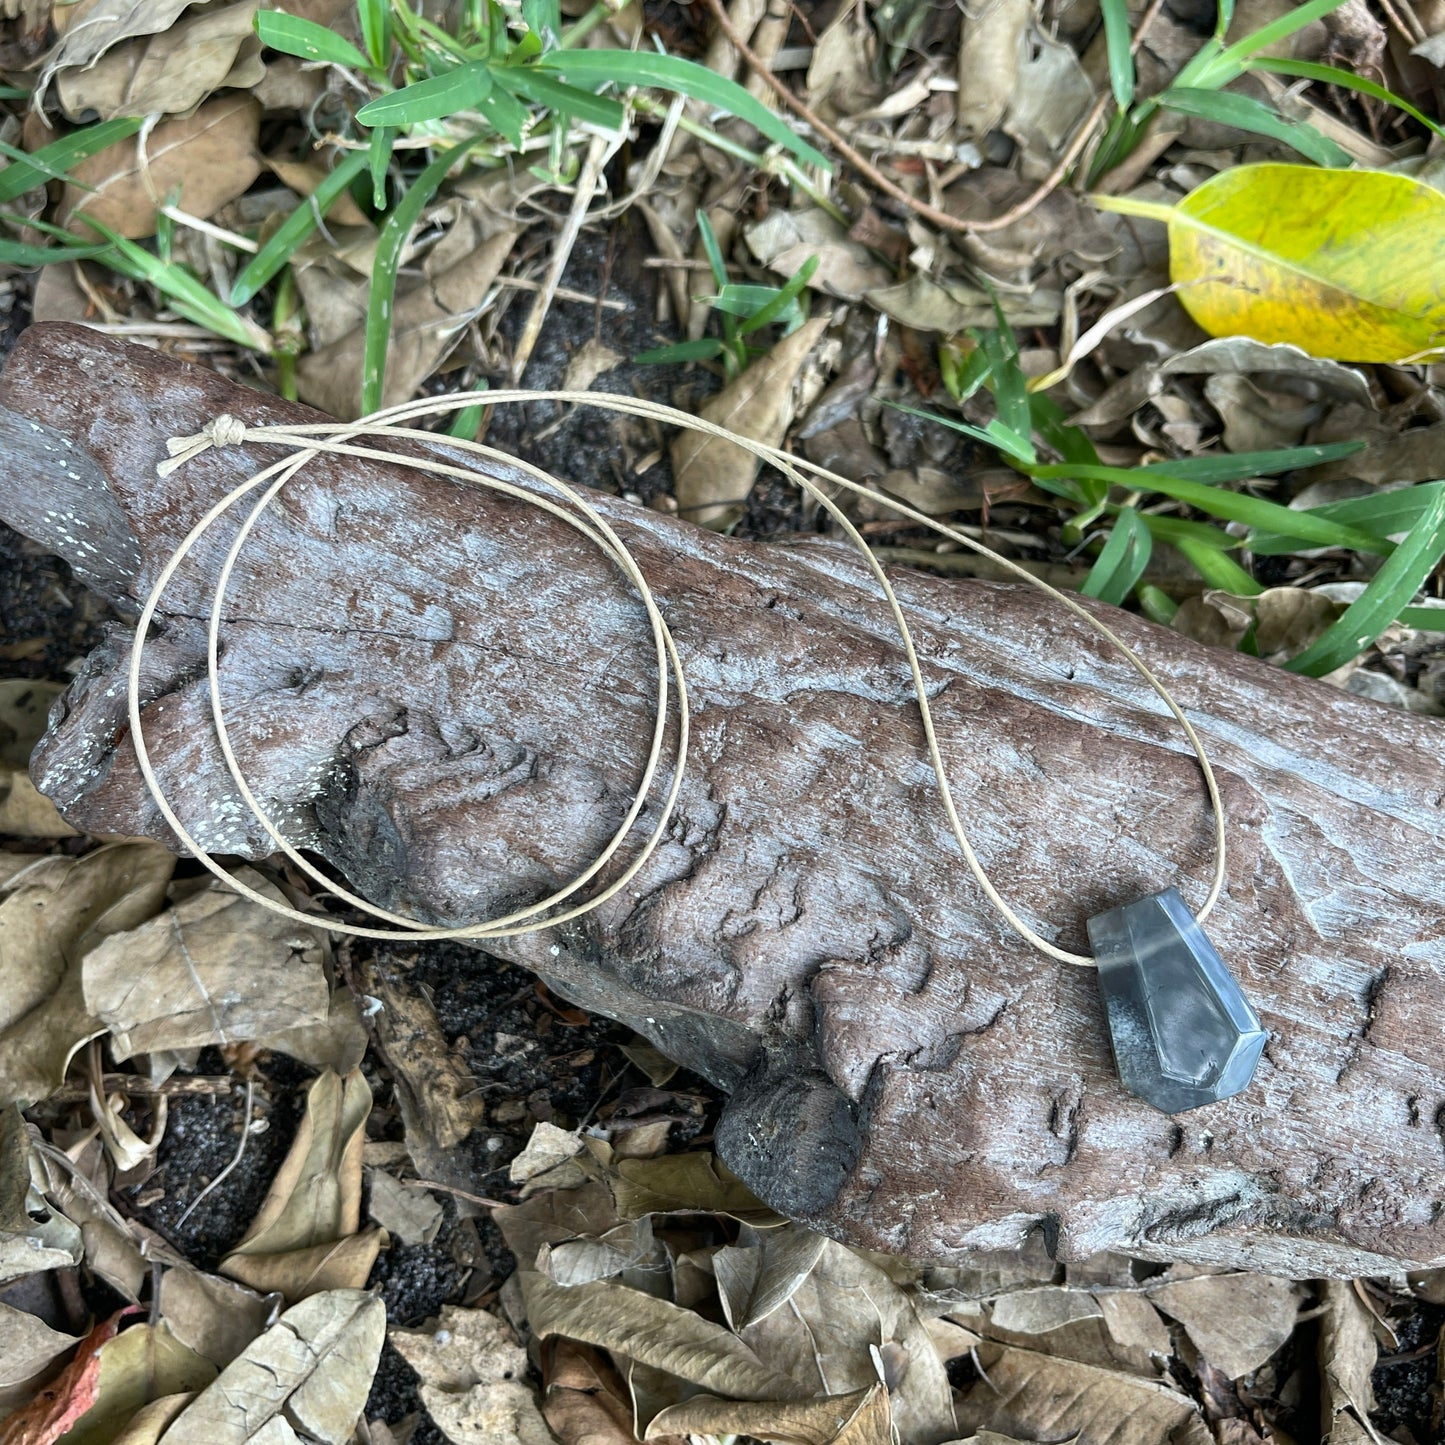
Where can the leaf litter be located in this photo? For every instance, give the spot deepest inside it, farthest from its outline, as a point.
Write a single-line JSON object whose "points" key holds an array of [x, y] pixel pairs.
{"points": [[653, 1297]]}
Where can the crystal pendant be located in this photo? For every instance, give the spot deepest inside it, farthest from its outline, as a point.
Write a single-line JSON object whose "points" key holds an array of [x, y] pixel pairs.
{"points": [[1183, 1032]]}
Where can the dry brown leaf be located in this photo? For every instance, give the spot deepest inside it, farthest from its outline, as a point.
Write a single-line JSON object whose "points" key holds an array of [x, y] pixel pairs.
{"points": [[214, 968], [989, 54], [1289, 619], [545, 1149], [92, 27], [67, 1397], [694, 1183], [27, 1346], [823, 1340], [951, 306], [138, 1365], [585, 1401], [1348, 1353], [858, 1418], [150, 1422], [307, 1377], [653, 1332], [473, 1379], [53, 913], [1037, 1311], [712, 477], [337, 1042], [1038, 1397], [763, 1271], [304, 1240], [439, 1100], [784, 240], [1134, 1323], [841, 68], [427, 321], [210, 156], [592, 359], [170, 73], [215, 1317], [304, 176], [1237, 1321], [24, 811], [406, 1212]]}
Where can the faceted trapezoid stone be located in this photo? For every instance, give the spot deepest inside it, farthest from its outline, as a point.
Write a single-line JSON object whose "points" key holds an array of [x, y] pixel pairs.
{"points": [[1183, 1032]]}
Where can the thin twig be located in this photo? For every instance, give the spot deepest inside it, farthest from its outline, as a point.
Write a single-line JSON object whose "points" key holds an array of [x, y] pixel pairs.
{"points": [[870, 172], [458, 1193], [597, 153], [235, 1158]]}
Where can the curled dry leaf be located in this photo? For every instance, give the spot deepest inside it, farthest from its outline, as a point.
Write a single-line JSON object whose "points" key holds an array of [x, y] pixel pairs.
{"points": [[139, 1364], [170, 73], [93, 26], [210, 156], [784, 240], [406, 1212], [473, 1379], [306, 1378], [1039, 1397], [1347, 1358], [56, 1408], [858, 1418], [763, 1271], [546, 1148], [53, 913], [304, 1240], [1237, 1321], [27, 1346], [653, 1332], [989, 54], [214, 968], [1037, 1311], [25, 812], [713, 477]]}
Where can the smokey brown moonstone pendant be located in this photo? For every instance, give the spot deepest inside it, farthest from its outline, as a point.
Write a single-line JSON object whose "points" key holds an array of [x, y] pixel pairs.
{"points": [[1183, 1032]]}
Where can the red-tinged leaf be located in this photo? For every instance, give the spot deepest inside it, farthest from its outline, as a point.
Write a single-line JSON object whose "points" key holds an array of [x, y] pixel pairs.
{"points": [[57, 1408]]}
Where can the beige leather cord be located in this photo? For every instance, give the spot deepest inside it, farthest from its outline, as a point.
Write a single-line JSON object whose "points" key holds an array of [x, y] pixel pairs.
{"points": [[348, 440]]}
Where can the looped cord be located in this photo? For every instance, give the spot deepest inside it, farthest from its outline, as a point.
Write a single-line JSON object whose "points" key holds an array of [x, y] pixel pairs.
{"points": [[338, 439]]}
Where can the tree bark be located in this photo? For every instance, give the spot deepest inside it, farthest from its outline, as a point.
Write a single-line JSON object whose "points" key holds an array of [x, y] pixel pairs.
{"points": [[448, 696]]}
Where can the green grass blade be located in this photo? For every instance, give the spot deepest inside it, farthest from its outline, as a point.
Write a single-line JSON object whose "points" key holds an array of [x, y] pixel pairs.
{"points": [[435, 98], [1389, 590], [1330, 75], [57, 158], [1230, 62], [703, 349], [712, 250], [293, 35], [1230, 506], [1384, 514], [374, 17], [394, 232], [14, 253], [1427, 619], [378, 161], [1202, 534], [570, 100], [184, 292], [507, 115], [1157, 606], [295, 229], [786, 296], [670, 72], [1246, 113], [468, 421], [1122, 562], [997, 434], [1217, 567], [1241, 466], [1117, 41]]}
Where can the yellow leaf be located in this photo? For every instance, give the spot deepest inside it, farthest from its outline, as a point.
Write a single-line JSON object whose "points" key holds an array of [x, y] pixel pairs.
{"points": [[1346, 264]]}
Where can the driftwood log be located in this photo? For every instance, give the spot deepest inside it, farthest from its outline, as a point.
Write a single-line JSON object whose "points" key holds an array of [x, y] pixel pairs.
{"points": [[447, 695]]}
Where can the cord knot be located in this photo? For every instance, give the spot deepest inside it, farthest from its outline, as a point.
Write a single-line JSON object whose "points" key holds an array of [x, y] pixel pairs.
{"points": [[223, 431]]}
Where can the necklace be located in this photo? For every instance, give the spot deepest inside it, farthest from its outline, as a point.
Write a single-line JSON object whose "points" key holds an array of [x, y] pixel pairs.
{"points": [[1182, 1031]]}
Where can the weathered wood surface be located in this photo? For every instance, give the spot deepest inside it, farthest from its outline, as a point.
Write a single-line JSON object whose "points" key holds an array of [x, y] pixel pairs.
{"points": [[447, 695]]}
